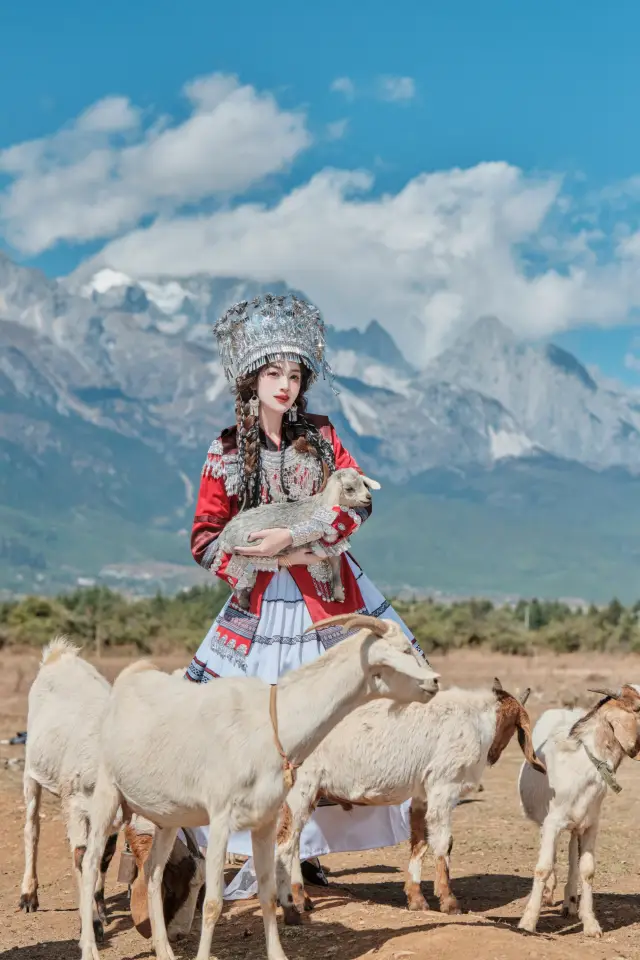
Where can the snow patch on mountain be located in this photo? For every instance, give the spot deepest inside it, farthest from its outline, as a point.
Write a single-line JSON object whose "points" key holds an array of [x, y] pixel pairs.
{"points": [[218, 381], [348, 363], [105, 280], [168, 297], [361, 416], [505, 443]]}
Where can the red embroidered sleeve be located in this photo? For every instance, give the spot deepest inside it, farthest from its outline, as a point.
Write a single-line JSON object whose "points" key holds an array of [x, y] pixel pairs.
{"points": [[214, 509]]}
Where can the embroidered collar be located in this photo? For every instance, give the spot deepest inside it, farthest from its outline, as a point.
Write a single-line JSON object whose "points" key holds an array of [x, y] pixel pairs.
{"points": [[268, 443], [603, 769]]}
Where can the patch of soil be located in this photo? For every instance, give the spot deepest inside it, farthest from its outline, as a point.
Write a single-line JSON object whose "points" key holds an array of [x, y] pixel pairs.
{"points": [[362, 913]]}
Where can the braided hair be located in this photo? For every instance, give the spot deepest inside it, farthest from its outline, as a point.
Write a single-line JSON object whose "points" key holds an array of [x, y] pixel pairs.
{"points": [[303, 435]]}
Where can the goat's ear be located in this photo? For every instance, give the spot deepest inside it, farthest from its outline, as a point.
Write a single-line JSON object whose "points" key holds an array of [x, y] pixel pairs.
{"points": [[526, 742], [372, 484], [497, 686], [406, 662], [625, 730], [525, 696]]}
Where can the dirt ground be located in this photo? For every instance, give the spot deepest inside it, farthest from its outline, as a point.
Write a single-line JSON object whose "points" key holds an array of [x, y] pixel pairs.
{"points": [[363, 913]]}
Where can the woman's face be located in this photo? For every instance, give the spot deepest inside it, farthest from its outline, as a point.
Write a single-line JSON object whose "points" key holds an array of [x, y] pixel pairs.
{"points": [[279, 385]]}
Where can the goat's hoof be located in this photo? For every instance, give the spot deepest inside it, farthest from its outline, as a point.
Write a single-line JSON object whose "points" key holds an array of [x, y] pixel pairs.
{"points": [[528, 925], [548, 900], [303, 906], [570, 909], [417, 902], [450, 905], [291, 916], [415, 906], [100, 907], [29, 902], [98, 930], [592, 929]]}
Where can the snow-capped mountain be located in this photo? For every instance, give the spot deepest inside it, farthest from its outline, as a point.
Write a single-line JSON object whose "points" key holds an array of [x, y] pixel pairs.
{"points": [[557, 402], [111, 391], [138, 357]]}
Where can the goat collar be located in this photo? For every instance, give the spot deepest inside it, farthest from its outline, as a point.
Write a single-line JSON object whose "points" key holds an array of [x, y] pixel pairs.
{"points": [[603, 769], [288, 767]]}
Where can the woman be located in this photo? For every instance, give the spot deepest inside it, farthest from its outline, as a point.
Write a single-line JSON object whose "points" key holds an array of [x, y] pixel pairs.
{"points": [[272, 350]]}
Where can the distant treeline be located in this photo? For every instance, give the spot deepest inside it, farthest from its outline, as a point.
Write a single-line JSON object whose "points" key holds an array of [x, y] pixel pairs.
{"points": [[97, 617]]}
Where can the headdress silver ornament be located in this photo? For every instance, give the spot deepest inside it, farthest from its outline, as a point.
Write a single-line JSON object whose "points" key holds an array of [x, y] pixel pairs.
{"points": [[267, 329]]}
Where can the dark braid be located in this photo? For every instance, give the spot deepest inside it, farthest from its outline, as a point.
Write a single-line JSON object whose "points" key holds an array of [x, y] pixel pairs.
{"points": [[248, 444], [303, 435]]}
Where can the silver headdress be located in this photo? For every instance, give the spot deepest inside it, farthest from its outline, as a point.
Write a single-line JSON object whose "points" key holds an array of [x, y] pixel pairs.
{"points": [[269, 328]]}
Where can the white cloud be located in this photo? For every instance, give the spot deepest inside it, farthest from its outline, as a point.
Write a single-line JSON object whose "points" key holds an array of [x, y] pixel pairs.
{"points": [[344, 85], [111, 115], [396, 88], [89, 181], [632, 362], [337, 129], [427, 260]]}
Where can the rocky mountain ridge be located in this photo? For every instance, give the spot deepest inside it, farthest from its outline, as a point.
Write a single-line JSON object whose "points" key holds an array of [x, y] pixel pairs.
{"points": [[110, 392]]}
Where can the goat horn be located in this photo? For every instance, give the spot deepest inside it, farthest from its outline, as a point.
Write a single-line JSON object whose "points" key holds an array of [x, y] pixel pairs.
{"points": [[525, 696], [613, 694], [497, 686], [348, 620]]}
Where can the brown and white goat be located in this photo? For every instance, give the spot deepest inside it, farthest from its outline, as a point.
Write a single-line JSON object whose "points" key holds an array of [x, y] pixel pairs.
{"points": [[582, 752], [383, 754], [182, 881]]}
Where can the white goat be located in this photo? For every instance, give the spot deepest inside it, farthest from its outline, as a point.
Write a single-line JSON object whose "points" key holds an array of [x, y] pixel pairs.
{"points": [[432, 754], [582, 751], [309, 520], [187, 755], [66, 703]]}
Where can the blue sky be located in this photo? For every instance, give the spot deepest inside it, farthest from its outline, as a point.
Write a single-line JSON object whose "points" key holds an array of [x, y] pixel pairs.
{"points": [[547, 90]]}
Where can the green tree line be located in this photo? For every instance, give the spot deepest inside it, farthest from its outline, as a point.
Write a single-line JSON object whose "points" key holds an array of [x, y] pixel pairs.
{"points": [[97, 617]]}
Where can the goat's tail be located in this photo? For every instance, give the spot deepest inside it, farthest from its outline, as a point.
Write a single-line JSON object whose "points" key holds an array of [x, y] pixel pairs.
{"points": [[56, 648]]}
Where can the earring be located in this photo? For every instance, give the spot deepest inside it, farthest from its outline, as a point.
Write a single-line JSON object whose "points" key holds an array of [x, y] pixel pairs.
{"points": [[293, 413], [254, 406]]}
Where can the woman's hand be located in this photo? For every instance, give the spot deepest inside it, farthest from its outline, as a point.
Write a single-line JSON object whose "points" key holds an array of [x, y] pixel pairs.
{"points": [[273, 541]]}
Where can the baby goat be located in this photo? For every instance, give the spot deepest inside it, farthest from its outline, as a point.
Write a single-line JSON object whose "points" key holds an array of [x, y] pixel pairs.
{"points": [[309, 520], [382, 754], [182, 756], [582, 752]]}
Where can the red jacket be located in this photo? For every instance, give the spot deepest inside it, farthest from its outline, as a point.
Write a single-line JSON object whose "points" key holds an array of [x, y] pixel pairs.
{"points": [[215, 507]]}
